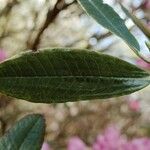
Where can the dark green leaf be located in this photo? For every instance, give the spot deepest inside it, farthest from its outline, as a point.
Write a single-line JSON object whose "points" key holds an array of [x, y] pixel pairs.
{"points": [[108, 18], [62, 75], [27, 134]]}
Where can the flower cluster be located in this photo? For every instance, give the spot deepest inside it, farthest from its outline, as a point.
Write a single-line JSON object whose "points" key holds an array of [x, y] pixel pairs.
{"points": [[111, 139]]}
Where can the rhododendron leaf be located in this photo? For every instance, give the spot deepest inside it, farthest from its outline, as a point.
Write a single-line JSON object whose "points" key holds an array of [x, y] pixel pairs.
{"points": [[27, 134], [61, 75], [108, 18]]}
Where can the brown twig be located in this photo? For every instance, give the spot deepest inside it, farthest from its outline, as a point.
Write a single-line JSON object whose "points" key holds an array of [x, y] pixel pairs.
{"points": [[8, 7], [51, 16]]}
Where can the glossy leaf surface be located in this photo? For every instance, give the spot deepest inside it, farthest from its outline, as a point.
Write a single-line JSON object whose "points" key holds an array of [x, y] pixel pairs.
{"points": [[62, 75]]}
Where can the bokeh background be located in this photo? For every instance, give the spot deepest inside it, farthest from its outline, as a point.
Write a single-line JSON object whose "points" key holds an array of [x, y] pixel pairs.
{"points": [[36, 24]]}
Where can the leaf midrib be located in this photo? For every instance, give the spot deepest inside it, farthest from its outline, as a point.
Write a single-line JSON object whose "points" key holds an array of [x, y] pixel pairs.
{"points": [[34, 124], [115, 77]]}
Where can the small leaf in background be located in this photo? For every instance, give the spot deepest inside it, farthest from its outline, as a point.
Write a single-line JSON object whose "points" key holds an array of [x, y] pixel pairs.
{"points": [[62, 75], [108, 18], [27, 134], [138, 22]]}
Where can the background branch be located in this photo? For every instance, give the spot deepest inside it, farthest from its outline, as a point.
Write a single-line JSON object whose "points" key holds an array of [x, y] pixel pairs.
{"points": [[51, 16]]}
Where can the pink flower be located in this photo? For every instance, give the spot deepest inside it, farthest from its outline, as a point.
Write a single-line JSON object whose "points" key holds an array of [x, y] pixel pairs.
{"points": [[138, 144], [113, 140], [76, 143], [143, 64], [146, 4], [46, 146], [2, 55], [134, 105], [110, 140]]}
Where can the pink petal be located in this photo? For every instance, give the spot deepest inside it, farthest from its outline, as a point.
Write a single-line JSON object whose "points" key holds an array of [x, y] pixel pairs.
{"points": [[2, 55], [138, 144], [110, 140], [76, 143], [142, 64], [46, 146], [134, 105]]}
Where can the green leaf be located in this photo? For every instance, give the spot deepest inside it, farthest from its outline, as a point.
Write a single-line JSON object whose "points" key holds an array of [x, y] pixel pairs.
{"points": [[148, 45], [139, 23], [143, 28], [27, 134], [108, 18], [62, 75]]}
